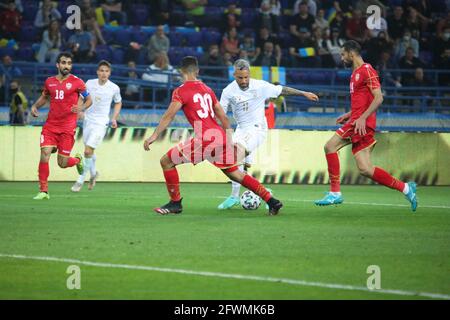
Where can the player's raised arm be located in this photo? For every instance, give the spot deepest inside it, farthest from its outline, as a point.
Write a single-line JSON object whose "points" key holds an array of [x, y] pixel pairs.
{"points": [[163, 123], [288, 91]]}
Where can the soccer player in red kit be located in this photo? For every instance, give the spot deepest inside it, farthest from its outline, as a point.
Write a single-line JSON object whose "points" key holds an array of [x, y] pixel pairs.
{"points": [[58, 132], [359, 130], [211, 142]]}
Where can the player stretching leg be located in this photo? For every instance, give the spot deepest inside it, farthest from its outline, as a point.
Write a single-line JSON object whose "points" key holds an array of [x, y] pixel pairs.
{"points": [[211, 142], [58, 131], [96, 119], [246, 98], [359, 130]]}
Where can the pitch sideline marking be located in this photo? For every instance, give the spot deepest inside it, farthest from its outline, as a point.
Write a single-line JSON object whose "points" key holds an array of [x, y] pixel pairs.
{"points": [[230, 276]]}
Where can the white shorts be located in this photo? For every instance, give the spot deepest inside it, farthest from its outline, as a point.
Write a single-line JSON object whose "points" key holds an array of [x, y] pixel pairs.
{"points": [[250, 138], [93, 134]]}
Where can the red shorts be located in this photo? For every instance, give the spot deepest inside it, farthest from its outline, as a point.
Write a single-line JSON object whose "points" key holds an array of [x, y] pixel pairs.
{"points": [[194, 151], [62, 140], [359, 142]]}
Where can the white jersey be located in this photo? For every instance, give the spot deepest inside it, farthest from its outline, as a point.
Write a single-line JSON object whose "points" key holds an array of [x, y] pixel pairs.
{"points": [[248, 106], [102, 96]]}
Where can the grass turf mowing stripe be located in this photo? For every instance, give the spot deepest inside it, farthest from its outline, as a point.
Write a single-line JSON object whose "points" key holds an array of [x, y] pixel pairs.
{"points": [[230, 276]]}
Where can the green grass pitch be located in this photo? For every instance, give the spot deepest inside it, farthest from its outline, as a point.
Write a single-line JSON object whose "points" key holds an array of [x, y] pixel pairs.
{"points": [[315, 247]]}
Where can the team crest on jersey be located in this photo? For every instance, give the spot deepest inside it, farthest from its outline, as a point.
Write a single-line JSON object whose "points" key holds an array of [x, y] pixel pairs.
{"points": [[98, 99], [357, 77], [68, 86]]}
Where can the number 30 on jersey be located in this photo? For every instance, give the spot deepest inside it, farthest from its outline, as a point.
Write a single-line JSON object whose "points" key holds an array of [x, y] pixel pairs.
{"points": [[206, 104]]}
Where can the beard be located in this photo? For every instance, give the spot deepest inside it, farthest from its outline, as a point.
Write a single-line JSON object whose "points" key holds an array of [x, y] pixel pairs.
{"points": [[64, 72], [348, 64]]}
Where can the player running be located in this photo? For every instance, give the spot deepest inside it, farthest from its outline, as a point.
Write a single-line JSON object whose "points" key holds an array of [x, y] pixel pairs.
{"points": [[211, 142], [246, 97], [359, 130], [96, 120], [58, 131]]}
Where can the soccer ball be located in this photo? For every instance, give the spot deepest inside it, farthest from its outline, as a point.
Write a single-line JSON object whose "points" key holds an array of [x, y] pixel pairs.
{"points": [[250, 201]]}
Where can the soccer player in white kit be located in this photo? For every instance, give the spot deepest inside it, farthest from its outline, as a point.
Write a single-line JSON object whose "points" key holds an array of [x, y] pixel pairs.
{"points": [[96, 119], [246, 97]]}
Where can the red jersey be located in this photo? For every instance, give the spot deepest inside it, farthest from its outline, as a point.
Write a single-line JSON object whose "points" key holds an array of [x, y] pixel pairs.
{"points": [[198, 100], [63, 95], [362, 81]]}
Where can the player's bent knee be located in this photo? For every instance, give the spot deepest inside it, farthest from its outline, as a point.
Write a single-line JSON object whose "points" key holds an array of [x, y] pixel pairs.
{"points": [[366, 172]]}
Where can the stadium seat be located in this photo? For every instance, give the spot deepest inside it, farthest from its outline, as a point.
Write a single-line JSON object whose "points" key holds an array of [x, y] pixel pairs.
{"points": [[122, 37], [28, 32], [103, 52], [30, 9], [5, 51], [25, 52], [139, 14], [211, 37], [118, 56]]}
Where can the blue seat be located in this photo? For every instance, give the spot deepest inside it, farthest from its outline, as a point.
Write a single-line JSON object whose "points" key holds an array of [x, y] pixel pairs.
{"points": [[140, 13], [103, 52], [30, 10], [25, 52], [118, 56], [28, 33], [122, 37], [211, 37]]}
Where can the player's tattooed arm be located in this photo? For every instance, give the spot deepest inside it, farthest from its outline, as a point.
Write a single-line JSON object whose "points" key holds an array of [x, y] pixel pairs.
{"points": [[166, 119], [288, 91], [43, 99]]}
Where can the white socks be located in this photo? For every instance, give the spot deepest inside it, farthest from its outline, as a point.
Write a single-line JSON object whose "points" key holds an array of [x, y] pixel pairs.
{"points": [[88, 164], [92, 166], [406, 189], [235, 186]]}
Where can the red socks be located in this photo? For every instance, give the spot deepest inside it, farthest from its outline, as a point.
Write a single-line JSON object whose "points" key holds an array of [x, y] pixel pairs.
{"points": [[172, 183], [334, 171], [252, 184], [382, 177], [44, 171], [72, 162]]}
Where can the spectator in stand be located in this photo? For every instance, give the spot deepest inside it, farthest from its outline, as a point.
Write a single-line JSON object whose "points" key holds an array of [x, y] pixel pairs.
{"points": [[334, 45], [413, 22], [132, 88], [159, 72], [311, 5], [263, 37], [19, 6], [89, 19], [407, 42], [195, 10], [268, 17], [298, 58], [386, 70], [373, 33], [47, 13], [325, 58], [157, 43], [419, 80], [248, 45], [321, 22], [376, 45], [112, 10], [343, 6], [339, 22], [51, 44], [356, 28], [231, 18], [213, 58], [8, 71], [302, 20], [227, 59], [82, 45], [268, 57], [160, 12], [441, 45], [409, 61], [19, 105], [397, 23], [230, 43], [423, 10], [10, 22]]}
